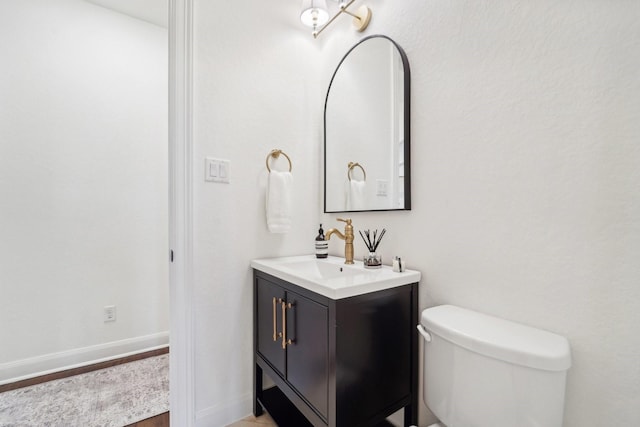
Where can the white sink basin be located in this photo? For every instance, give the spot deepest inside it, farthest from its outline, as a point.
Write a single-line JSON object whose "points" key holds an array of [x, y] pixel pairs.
{"points": [[316, 269], [331, 277]]}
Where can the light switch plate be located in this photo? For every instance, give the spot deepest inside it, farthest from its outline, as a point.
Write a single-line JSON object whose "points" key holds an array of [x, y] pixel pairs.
{"points": [[216, 170], [382, 187]]}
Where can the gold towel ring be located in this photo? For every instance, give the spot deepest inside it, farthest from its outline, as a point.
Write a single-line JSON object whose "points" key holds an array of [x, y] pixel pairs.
{"points": [[353, 165], [275, 154]]}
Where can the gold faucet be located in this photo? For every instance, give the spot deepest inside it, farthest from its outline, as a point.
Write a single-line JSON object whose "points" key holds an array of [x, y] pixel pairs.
{"points": [[347, 237]]}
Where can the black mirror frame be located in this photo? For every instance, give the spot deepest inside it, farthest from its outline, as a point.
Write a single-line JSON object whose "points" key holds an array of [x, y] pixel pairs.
{"points": [[406, 123]]}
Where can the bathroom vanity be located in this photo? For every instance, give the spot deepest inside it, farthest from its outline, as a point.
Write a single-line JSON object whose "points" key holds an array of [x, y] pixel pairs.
{"points": [[338, 342]]}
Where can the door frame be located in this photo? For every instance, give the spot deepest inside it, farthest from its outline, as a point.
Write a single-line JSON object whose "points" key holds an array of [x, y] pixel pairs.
{"points": [[182, 375]]}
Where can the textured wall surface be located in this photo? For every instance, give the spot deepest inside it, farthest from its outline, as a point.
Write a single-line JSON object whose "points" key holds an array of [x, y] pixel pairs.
{"points": [[526, 197], [526, 185], [83, 178], [254, 91]]}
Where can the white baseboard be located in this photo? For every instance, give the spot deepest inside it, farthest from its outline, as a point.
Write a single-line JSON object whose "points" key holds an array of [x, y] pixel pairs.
{"points": [[225, 413], [54, 362]]}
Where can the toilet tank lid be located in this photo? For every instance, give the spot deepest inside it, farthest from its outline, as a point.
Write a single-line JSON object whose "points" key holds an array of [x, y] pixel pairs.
{"points": [[498, 338]]}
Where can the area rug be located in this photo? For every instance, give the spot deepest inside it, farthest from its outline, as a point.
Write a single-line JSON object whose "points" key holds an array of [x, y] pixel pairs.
{"points": [[111, 397]]}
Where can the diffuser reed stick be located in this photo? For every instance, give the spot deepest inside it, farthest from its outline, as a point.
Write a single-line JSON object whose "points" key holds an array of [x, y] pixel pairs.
{"points": [[372, 243]]}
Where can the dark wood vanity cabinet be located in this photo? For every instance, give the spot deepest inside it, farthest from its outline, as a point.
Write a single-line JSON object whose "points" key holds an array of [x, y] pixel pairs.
{"points": [[349, 362], [301, 357]]}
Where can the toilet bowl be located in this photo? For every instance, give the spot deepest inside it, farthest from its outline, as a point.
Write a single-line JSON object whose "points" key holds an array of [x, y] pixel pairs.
{"points": [[483, 371]]}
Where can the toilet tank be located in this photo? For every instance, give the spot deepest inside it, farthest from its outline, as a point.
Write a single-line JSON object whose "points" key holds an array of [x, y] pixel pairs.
{"points": [[482, 371]]}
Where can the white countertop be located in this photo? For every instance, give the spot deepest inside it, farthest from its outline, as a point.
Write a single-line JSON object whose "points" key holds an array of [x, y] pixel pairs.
{"points": [[331, 277]]}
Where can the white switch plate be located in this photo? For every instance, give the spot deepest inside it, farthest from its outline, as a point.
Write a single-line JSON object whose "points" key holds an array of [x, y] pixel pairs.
{"points": [[216, 170], [382, 187]]}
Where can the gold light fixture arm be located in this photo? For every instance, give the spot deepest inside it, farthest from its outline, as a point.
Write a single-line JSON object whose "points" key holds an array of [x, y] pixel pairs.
{"points": [[360, 19]]}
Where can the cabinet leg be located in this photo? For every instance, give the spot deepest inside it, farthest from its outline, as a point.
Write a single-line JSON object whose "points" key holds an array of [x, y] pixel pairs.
{"points": [[410, 415], [257, 390]]}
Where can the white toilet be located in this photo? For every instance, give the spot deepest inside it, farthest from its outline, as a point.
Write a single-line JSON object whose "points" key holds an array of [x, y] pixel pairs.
{"points": [[482, 371]]}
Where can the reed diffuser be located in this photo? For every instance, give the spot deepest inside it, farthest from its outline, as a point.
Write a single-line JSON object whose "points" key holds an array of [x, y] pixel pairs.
{"points": [[373, 260]]}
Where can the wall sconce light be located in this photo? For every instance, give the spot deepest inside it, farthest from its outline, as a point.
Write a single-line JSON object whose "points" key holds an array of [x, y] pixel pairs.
{"points": [[314, 14]]}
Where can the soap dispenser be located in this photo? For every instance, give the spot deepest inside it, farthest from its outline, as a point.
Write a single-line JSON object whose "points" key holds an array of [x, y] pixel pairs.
{"points": [[322, 246]]}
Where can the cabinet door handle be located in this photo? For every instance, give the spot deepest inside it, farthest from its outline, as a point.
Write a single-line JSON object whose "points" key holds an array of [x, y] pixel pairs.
{"points": [[275, 327], [276, 335], [285, 341]]}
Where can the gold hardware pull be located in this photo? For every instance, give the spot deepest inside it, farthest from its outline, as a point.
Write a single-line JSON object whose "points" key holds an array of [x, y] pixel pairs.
{"points": [[275, 327], [285, 341], [276, 334]]}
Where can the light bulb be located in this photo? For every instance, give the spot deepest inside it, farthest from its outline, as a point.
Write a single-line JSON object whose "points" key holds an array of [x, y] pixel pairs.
{"points": [[314, 13]]}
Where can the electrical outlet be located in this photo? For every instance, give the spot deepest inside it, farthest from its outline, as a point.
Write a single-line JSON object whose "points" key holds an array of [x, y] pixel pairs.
{"points": [[109, 314]]}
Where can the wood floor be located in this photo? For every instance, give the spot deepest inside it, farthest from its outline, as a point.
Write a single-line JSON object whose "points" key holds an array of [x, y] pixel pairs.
{"points": [[162, 420], [251, 421], [82, 370]]}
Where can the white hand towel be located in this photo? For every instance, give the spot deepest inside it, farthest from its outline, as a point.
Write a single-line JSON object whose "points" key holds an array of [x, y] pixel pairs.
{"points": [[279, 189], [356, 195]]}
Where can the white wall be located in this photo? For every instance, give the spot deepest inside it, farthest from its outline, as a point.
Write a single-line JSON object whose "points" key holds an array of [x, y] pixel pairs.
{"points": [[526, 185], [254, 91], [526, 196], [83, 184]]}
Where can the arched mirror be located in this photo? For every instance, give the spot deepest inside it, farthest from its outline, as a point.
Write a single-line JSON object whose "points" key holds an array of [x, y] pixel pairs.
{"points": [[366, 130]]}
